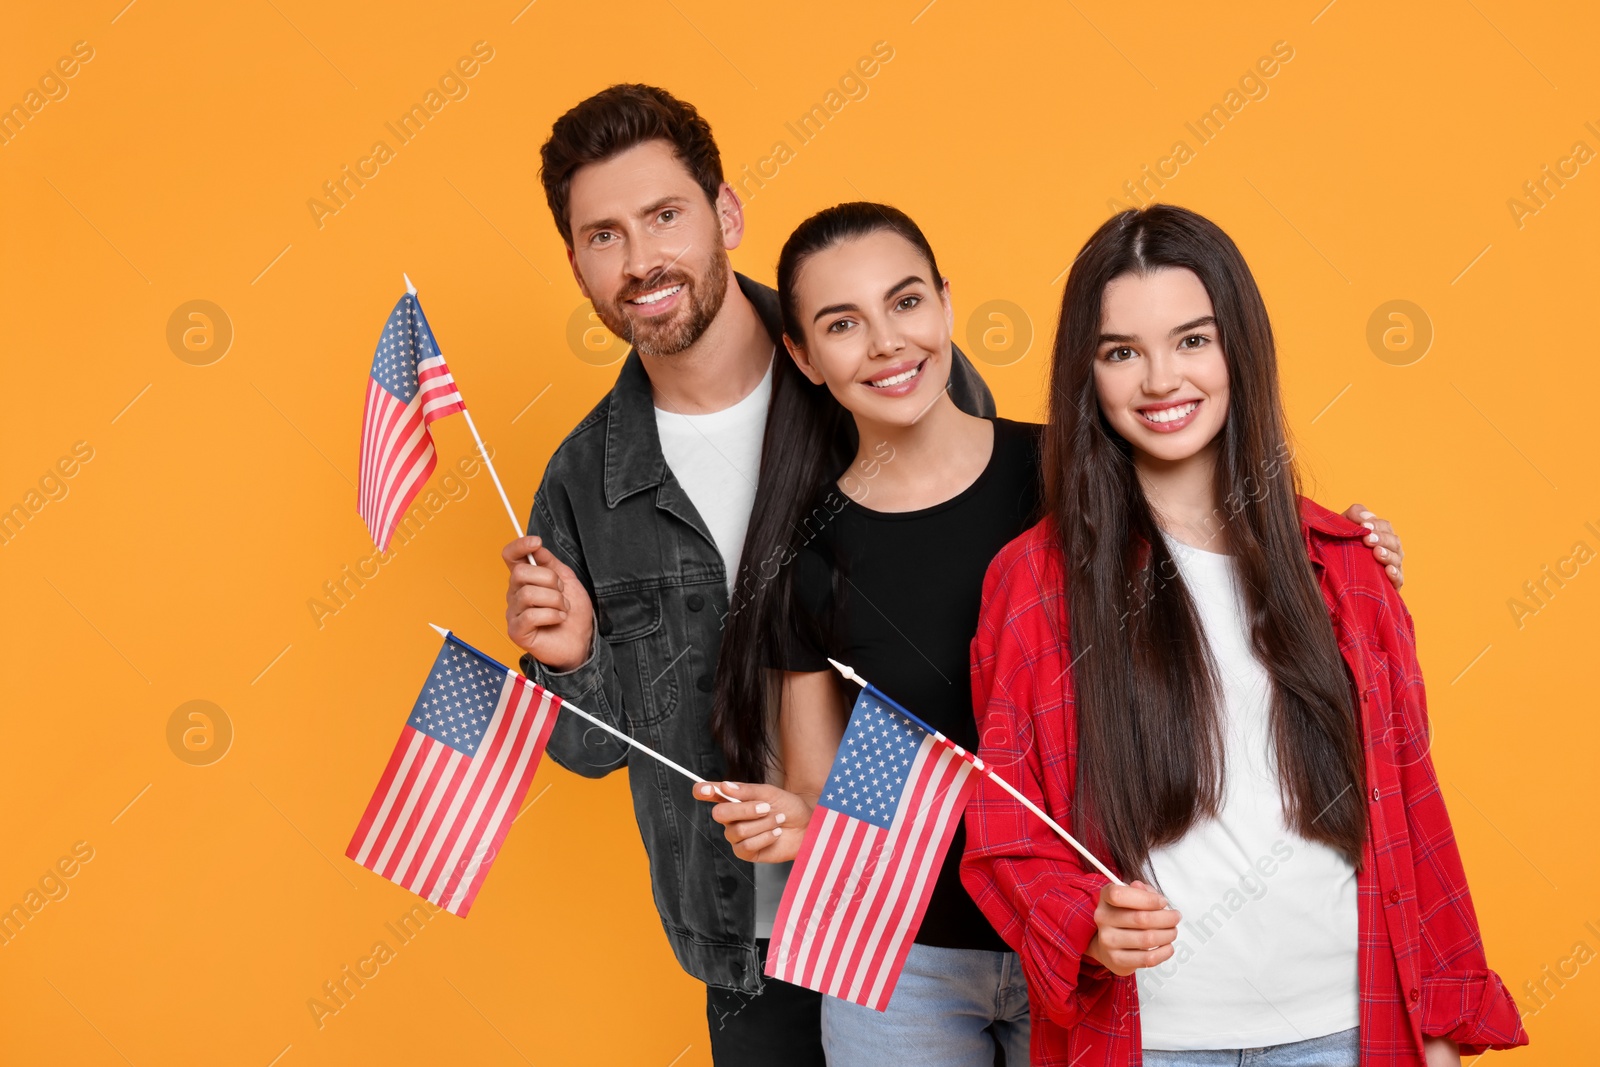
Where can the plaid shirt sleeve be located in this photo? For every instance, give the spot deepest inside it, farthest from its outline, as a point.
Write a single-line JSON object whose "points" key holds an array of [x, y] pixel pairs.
{"points": [[1461, 998], [1029, 883]]}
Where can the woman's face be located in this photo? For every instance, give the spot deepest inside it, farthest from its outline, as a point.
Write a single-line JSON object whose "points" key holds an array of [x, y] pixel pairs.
{"points": [[876, 326], [1159, 369]]}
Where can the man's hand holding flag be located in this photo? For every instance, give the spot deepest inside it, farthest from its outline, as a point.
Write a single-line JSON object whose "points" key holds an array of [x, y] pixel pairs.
{"points": [[473, 740]]}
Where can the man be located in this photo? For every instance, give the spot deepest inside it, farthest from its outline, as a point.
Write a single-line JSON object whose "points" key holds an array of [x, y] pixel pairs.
{"points": [[638, 524]]}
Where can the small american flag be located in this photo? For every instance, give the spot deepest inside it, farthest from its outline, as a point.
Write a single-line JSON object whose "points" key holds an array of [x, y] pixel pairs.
{"points": [[872, 851], [408, 389], [456, 779]]}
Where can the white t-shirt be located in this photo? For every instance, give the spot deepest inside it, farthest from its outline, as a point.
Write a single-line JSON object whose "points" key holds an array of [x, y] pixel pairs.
{"points": [[716, 457], [1266, 951]]}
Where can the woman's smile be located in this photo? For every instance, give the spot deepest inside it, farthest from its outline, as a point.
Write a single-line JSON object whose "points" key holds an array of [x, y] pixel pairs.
{"points": [[1169, 417], [898, 379]]}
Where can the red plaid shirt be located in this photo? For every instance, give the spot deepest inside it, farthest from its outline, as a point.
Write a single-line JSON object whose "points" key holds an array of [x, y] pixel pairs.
{"points": [[1422, 966]]}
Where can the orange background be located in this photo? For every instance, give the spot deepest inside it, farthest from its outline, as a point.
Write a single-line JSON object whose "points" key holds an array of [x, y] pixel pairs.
{"points": [[219, 498]]}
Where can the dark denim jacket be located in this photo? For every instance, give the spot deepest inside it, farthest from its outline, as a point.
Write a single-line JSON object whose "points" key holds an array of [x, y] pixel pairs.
{"points": [[611, 508]]}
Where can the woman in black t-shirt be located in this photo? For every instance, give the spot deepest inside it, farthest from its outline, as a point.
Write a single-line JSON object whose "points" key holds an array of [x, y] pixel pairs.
{"points": [[880, 505]]}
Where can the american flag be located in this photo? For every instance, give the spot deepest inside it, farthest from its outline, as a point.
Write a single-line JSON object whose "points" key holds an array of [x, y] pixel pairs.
{"points": [[408, 389], [456, 779], [872, 851]]}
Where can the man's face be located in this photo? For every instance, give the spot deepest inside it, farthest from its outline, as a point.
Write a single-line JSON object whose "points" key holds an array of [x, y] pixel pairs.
{"points": [[648, 250]]}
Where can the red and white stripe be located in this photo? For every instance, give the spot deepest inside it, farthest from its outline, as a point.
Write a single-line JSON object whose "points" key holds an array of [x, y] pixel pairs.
{"points": [[396, 449], [438, 817], [857, 893]]}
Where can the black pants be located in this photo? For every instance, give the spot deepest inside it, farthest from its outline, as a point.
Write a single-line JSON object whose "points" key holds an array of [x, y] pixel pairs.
{"points": [[779, 1027]]}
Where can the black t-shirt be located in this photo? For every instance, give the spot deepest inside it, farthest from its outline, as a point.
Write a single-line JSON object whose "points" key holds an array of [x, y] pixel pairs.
{"points": [[908, 590]]}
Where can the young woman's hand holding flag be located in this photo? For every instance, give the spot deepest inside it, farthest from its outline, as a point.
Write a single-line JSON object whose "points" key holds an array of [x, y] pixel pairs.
{"points": [[1137, 927]]}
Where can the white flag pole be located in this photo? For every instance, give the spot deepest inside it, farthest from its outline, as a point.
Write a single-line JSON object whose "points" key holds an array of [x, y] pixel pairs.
{"points": [[482, 451], [607, 727], [987, 772]]}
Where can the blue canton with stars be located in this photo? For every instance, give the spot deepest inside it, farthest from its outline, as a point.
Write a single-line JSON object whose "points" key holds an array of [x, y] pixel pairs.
{"points": [[459, 699], [869, 773], [406, 340]]}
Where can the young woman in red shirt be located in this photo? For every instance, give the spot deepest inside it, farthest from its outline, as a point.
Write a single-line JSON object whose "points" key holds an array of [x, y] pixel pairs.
{"points": [[1207, 677]]}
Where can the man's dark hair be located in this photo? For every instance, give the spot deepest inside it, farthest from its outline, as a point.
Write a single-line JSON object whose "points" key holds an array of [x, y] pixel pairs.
{"points": [[615, 120]]}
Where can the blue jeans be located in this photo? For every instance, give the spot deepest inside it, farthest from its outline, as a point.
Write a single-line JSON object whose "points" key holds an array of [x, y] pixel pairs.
{"points": [[1335, 1050], [942, 1005]]}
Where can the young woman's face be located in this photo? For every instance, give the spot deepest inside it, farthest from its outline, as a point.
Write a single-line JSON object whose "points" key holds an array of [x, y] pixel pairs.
{"points": [[876, 326], [1159, 369]]}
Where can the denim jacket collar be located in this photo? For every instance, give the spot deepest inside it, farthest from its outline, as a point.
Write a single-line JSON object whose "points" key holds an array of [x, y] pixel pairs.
{"points": [[633, 448]]}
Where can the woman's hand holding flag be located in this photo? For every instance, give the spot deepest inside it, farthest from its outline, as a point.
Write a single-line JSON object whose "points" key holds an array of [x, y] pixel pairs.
{"points": [[764, 824]]}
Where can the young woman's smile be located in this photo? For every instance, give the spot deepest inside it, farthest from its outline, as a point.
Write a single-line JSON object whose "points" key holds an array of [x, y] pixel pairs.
{"points": [[1171, 416]]}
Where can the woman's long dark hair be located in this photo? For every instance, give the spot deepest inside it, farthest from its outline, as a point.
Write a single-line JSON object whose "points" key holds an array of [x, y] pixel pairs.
{"points": [[1150, 752], [810, 440]]}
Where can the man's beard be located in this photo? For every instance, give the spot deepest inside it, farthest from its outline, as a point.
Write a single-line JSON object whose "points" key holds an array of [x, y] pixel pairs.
{"points": [[685, 324]]}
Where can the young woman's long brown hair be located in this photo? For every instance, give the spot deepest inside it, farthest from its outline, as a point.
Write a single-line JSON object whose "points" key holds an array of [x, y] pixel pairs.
{"points": [[1150, 760]]}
